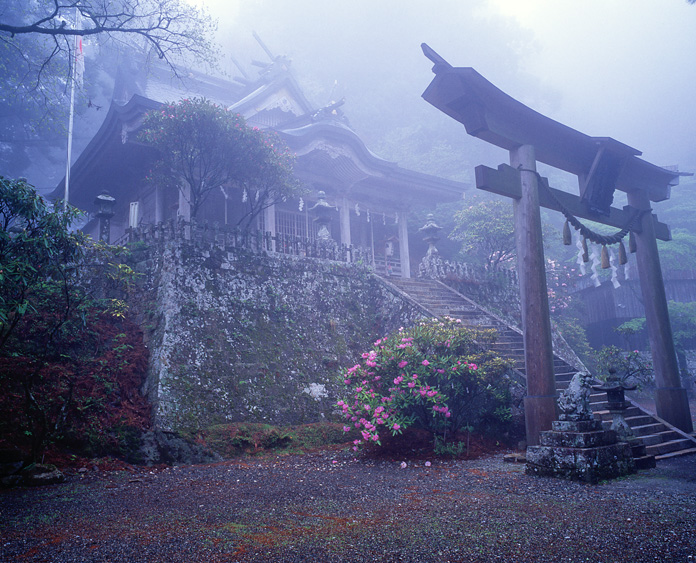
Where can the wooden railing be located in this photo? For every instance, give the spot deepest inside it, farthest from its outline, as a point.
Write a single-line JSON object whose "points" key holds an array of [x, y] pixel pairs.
{"points": [[253, 241]]}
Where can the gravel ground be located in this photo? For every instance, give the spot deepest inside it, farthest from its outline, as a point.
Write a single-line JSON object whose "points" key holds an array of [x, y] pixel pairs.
{"points": [[329, 506]]}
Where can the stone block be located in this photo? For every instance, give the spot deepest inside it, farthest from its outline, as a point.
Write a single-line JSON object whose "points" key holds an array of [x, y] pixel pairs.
{"points": [[590, 465], [576, 425], [578, 439]]}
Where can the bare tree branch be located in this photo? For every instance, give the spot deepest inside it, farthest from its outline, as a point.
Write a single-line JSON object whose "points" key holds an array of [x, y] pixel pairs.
{"points": [[171, 28]]}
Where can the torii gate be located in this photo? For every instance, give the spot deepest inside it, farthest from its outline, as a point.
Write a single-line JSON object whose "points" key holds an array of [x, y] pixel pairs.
{"points": [[602, 165]]}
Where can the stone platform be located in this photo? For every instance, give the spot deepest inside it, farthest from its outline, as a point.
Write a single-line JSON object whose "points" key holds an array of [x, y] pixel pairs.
{"points": [[580, 450]]}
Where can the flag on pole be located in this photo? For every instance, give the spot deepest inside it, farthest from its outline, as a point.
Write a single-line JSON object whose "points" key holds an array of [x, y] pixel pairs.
{"points": [[79, 59]]}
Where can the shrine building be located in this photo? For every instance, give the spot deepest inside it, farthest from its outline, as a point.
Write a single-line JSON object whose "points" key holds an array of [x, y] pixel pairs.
{"points": [[371, 197]]}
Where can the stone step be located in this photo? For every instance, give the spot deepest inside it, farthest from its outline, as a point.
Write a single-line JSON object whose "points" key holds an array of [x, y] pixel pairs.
{"points": [[633, 416], [565, 375], [659, 437], [672, 446], [688, 451], [648, 429], [638, 420]]}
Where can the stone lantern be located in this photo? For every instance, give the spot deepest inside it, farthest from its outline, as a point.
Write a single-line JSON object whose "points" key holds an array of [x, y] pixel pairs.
{"points": [[323, 210], [431, 231], [105, 211], [615, 389]]}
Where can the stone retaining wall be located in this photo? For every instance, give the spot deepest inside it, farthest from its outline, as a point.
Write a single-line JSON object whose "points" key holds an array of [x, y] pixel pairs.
{"points": [[259, 337]]}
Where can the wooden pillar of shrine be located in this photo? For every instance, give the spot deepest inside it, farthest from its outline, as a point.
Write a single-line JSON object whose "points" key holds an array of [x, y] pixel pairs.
{"points": [[269, 220], [404, 252], [540, 403], [671, 401], [344, 217]]}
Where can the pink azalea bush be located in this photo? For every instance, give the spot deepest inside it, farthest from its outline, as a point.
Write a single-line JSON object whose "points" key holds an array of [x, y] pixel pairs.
{"points": [[435, 375]]}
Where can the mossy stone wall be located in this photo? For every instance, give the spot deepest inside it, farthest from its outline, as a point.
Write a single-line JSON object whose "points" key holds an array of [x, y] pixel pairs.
{"points": [[236, 336]]}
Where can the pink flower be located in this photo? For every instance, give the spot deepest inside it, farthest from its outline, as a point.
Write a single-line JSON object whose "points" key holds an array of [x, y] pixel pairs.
{"points": [[411, 384], [403, 364], [425, 362], [346, 428], [395, 426]]}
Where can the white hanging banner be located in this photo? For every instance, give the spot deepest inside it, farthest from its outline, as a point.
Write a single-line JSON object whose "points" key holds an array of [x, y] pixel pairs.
{"points": [[612, 265], [580, 261]]}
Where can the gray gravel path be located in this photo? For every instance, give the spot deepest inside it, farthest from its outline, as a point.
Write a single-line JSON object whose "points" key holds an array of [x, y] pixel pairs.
{"points": [[328, 506]]}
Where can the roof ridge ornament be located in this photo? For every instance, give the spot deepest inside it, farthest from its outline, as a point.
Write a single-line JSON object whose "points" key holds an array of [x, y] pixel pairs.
{"points": [[440, 63]]}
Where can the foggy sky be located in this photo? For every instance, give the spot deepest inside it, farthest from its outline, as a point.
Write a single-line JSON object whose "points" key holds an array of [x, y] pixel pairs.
{"points": [[618, 68]]}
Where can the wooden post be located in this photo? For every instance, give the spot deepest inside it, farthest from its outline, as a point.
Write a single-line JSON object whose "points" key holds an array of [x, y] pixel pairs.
{"points": [[671, 400], [270, 224], [404, 252], [540, 403], [344, 216], [159, 204]]}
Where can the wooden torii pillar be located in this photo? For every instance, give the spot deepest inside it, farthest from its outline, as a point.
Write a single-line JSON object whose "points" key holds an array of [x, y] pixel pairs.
{"points": [[602, 166]]}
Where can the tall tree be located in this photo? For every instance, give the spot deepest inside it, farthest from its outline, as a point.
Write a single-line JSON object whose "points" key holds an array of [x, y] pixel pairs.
{"points": [[204, 147], [486, 231]]}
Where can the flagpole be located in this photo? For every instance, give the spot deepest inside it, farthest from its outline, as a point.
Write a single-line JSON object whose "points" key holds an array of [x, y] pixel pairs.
{"points": [[73, 72], [70, 135]]}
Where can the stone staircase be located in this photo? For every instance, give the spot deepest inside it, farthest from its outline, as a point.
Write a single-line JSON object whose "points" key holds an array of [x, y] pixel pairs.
{"points": [[437, 299]]}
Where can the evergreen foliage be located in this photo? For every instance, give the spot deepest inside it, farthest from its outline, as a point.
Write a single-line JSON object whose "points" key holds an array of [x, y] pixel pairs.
{"points": [[69, 359], [204, 148], [486, 231]]}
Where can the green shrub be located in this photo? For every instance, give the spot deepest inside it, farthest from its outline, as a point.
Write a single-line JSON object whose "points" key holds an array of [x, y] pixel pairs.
{"points": [[436, 376]]}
